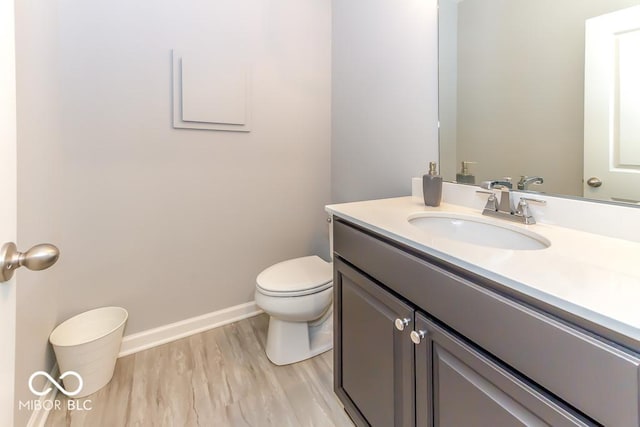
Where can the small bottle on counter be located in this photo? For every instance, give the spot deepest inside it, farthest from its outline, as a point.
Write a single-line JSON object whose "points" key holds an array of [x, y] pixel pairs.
{"points": [[432, 186], [464, 176]]}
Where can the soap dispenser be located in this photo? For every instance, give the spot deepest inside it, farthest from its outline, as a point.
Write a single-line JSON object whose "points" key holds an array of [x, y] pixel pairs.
{"points": [[464, 177], [432, 186]]}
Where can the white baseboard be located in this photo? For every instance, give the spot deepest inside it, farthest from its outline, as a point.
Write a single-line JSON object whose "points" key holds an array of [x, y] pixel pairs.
{"points": [[157, 336], [151, 338], [46, 403]]}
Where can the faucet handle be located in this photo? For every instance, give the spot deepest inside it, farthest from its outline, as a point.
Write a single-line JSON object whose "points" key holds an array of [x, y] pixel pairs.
{"points": [[523, 209], [524, 200], [492, 201]]}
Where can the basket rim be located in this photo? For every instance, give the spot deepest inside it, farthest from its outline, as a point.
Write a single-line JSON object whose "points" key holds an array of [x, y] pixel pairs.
{"points": [[53, 336]]}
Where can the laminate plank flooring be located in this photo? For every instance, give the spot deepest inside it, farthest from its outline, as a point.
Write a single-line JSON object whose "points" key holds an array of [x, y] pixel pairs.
{"points": [[217, 378]]}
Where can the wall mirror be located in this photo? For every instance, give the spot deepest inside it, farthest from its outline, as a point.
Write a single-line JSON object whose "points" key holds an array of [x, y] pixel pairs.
{"points": [[547, 88]]}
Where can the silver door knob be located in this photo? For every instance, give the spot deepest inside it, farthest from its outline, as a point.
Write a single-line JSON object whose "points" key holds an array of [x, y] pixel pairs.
{"points": [[417, 336], [594, 182], [38, 257], [401, 323]]}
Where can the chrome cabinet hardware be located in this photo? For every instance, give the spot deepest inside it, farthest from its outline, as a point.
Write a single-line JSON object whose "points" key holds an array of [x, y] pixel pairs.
{"points": [[418, 336], [37, 258], [401, 323]]}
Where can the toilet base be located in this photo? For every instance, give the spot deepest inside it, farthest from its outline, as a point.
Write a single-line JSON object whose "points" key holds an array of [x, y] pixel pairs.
{"points": [[291, 342]]}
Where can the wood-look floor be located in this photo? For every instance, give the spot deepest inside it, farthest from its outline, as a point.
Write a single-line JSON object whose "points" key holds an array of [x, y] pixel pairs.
{"points": [[221, 377]]}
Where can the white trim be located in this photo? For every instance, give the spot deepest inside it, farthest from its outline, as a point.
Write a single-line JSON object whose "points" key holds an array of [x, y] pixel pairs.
{"points": [[157, 336], [40, 414], [8, 211], [154, 337]]}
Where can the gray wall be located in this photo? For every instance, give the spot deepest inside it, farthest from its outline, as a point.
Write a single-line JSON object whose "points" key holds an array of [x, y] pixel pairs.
{"points": [[175, 223], [39, 189], [167, 223], [521, 86], [384, 96]]}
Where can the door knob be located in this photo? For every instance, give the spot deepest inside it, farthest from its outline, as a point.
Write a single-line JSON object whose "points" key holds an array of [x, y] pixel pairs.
{"points": [[594, 182], [38, 257], [401, 323], [417, 336]]}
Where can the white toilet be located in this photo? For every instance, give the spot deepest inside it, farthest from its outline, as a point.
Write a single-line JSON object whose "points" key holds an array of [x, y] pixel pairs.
{"points": [[297, 294]]}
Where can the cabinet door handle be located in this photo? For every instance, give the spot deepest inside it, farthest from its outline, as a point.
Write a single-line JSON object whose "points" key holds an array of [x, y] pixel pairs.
{"points": [[417, 336], [401, 323]]}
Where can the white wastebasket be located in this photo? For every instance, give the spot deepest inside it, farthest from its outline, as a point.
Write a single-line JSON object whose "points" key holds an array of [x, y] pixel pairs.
{"points": [[88, 344]]}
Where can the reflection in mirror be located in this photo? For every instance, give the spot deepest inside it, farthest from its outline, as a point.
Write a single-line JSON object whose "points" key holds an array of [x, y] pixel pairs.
{"points": [[513, 95]]}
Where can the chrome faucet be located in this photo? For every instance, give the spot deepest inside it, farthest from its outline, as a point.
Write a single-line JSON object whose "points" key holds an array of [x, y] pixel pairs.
{"points": [[504, 185], [503, 205], [504, 208], [505, 182], [525, 181]]}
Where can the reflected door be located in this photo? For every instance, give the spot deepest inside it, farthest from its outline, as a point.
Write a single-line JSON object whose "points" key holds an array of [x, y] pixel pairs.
{"points": [[612, 106]]}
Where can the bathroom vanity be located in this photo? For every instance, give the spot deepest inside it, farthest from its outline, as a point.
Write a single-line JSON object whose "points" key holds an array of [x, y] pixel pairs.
{"points": [[434, 331]]}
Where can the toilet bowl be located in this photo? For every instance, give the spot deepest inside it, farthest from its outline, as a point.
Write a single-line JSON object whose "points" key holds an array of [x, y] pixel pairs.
{"points": [[297, 295]]}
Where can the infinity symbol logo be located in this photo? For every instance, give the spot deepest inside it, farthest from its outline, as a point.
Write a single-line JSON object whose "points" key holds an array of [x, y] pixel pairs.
{"points": [[58, 386]]}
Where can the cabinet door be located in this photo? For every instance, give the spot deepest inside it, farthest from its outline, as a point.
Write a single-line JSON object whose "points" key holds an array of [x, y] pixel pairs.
{"points": [[373, 359], [458, 385]]}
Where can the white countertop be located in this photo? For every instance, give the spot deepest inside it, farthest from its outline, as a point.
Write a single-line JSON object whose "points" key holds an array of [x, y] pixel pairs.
{"points": [[588, 275]]}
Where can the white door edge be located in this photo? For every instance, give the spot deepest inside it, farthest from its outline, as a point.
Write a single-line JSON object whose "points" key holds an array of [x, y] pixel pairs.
{"points": [[8, 213]]}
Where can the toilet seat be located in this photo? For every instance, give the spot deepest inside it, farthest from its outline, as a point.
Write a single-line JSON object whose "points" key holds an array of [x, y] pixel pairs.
{"points": [[296, 277]]}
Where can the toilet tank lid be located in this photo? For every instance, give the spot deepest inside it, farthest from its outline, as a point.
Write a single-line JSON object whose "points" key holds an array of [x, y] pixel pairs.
{"points": [[297, 274]]}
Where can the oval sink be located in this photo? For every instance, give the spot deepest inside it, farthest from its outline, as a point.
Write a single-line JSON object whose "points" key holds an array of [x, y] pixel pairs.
{"points": [[478, 231]]}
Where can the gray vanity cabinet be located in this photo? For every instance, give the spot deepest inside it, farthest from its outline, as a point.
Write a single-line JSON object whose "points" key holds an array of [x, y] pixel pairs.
{"points": [[374, 375], [458, 385], [418, 345], [385, 379]]}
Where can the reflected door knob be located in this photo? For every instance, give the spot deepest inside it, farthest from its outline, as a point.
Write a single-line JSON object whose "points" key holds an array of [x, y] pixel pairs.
{"points": [[37, 258], [594, 182]]}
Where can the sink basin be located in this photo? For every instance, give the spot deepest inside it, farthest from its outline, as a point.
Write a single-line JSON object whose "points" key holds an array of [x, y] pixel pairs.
{"points": [[478, 231]]}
